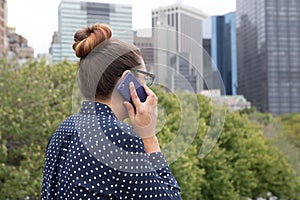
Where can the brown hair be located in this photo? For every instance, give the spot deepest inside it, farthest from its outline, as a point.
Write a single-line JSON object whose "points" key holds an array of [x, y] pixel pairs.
{"points": [[102, 60]]}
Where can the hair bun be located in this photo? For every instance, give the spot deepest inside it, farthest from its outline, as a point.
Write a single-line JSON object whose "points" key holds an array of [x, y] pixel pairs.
{"points": [[85, 40]]}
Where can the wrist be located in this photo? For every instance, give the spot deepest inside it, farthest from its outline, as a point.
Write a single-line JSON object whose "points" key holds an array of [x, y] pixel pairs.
{"points": [[151, 144]]}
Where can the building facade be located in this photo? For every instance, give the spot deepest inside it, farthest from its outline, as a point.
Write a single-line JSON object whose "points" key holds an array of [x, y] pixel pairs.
{"points": [[177, 32], [3, 21], [18, 45], [207, 64], [268, 49], [211, 79], [75, 14], [223, 48], [234, 102], [145, 44]]}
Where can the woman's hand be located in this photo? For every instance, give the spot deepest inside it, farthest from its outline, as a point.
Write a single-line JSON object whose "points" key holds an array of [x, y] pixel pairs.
{"points": [[144, 118]]}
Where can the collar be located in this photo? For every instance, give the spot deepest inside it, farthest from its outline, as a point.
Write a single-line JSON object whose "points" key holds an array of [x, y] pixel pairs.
{"points": [[96, 108]]}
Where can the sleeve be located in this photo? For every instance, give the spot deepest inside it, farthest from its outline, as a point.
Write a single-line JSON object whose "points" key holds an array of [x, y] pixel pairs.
{"points": [[158, 182]]}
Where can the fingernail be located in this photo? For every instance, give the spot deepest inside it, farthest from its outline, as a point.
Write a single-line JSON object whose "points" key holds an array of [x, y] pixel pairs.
{"points": [[131, 84]]}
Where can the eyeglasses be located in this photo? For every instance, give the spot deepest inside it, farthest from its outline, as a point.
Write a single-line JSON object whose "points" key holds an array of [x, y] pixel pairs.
{"points": [[149, 77]]}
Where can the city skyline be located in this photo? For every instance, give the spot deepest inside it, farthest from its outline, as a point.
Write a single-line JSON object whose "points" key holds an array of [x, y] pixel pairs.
{"points": [[38, 25]]}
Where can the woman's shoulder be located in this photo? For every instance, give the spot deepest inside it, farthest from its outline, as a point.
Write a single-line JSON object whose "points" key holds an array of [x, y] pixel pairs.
{"points": [[123, 135], [67, 123], [96, 132]]}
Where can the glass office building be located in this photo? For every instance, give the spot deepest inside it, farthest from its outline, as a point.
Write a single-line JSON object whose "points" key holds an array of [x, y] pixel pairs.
{"points": [[75, 14], [223, 50], [268, 49]]}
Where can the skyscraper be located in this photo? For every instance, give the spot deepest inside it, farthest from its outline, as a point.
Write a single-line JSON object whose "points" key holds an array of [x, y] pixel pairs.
{"points": [[177, 32], [3, 20], [76, 14], [268, 49], [145, 44], [207, 64], [224, 50]]}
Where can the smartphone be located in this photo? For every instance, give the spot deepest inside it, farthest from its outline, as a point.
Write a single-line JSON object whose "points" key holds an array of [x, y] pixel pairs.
{"points": [[124, 90]]}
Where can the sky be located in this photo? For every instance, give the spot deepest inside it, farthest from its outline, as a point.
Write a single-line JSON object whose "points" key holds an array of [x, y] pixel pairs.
{"points": [[36, 20]]}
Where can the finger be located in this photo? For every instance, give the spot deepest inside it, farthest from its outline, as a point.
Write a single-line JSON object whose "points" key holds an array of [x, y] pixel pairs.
{"points": [[148, 90], [130, 110], [151, 95], [135, 99]]}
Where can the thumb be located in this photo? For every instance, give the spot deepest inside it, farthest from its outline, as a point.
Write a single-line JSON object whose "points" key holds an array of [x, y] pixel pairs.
{"points": [[130, 110]]}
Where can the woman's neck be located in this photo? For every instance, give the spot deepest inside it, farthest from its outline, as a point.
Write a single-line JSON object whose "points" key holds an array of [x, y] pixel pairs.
{"points": [[104, 101], [116, 107]]}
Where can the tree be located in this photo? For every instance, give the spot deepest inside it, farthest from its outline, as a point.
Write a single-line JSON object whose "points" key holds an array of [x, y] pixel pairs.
{"points": [[36, 98], [290, 127]]}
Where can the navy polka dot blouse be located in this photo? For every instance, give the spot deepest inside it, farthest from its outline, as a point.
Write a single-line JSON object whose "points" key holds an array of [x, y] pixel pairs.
{"points": [[92, 155]]}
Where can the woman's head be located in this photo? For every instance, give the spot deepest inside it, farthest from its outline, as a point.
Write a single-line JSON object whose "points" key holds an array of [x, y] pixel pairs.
{"points": [[102, 60]]}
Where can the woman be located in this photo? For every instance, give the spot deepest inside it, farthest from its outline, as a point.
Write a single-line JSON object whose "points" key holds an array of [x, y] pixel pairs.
{"points": [[93, 154]]}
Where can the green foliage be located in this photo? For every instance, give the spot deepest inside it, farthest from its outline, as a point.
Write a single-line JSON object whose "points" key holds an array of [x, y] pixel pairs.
{"points": [[256, 116], [25, 180], [282, 132], [36, 97], [288, 137], [290, 127]]}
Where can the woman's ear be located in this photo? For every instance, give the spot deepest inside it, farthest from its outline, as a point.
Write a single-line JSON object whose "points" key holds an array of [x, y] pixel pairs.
{"points": [[124, 74]]}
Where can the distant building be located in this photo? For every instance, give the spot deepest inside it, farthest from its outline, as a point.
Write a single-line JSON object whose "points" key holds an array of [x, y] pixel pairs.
{"points": [[268, 49], [145, 44], [223, 50], [3, 21], [207, 28], [211, 93], [45, 57], [211, 74], [234, 103], [55, 48], [74, 15], [18, 45], [177, 32], [207, 64]]}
